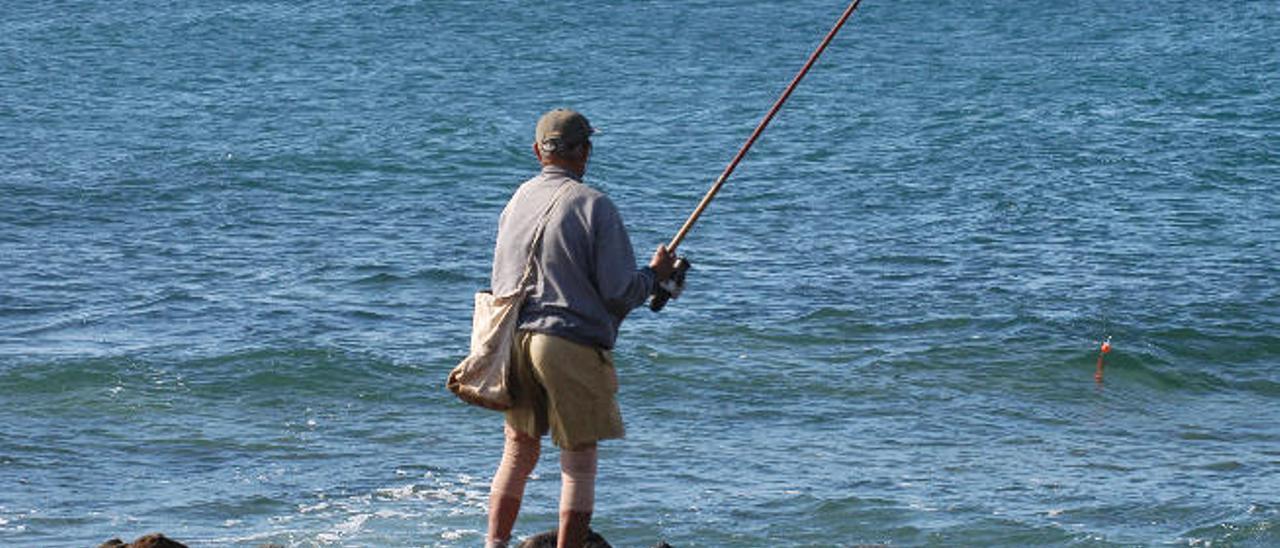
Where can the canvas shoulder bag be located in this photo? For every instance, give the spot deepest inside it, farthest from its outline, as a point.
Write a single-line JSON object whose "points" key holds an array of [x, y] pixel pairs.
{"points": [[482, 377]]}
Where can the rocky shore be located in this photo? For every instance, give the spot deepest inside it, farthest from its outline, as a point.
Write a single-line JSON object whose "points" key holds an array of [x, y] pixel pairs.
{"points": [[154, 540], [541, 540]]}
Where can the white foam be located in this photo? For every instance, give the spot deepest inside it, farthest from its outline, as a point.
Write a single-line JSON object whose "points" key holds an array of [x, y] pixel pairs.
{"points": [[397, 493], [458, 534], [351, 526], [353, 523], [313, 508]]}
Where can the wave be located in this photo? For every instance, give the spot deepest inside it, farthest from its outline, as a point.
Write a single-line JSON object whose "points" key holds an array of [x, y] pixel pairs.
{"points": [[1013, 349], [265, 373], [426, 274]]}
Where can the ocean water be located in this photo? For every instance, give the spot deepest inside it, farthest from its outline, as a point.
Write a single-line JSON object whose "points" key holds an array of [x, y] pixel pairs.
{"points": [[238, 242]]}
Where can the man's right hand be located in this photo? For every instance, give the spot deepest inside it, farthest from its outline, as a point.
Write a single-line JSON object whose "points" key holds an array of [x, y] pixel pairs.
{"points": [[663, 262]]}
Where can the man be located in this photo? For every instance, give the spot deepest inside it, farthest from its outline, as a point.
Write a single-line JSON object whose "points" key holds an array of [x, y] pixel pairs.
{"points": [[585, 281]]}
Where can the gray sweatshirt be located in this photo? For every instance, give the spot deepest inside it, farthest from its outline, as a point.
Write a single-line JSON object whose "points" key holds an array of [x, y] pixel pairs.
{"points": [[586, 280]]}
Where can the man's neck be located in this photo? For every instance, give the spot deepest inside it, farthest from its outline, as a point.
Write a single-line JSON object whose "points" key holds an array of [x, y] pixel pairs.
{"points": [[578, 169]]}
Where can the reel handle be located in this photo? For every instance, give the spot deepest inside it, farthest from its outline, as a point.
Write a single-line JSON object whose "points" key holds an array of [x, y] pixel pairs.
{"points": [[671, 287]]}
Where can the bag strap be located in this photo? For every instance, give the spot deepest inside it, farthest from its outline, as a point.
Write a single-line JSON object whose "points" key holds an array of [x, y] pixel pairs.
{"points": [[537, 233]]}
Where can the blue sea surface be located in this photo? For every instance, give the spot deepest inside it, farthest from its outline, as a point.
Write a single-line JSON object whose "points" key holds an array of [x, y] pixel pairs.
{"points": [[239, 240]]}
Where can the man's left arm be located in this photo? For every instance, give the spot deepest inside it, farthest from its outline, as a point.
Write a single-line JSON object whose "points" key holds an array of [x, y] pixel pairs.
{"points": [[622, 286]]}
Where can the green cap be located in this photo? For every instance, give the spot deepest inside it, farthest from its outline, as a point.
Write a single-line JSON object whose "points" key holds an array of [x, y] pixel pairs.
{"points": [[562, 129]]}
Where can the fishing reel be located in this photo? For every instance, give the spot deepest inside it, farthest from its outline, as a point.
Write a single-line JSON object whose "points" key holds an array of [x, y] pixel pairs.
{"points": [[671, 287]]}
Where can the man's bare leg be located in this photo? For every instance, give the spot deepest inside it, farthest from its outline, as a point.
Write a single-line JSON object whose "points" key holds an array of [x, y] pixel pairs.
{"points": [[577, 495], [519, 456]]}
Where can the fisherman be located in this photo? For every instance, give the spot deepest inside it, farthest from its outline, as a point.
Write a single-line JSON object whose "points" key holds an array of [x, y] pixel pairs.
{"points": [[585, 283]]}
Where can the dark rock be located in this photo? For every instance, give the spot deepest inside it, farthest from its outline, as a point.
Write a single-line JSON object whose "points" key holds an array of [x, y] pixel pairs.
{"points": [[548, 540], [594, 540], [154, 540]]}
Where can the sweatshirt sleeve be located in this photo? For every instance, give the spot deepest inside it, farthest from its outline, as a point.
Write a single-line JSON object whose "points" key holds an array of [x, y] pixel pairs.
{"points": [[622, 286]]}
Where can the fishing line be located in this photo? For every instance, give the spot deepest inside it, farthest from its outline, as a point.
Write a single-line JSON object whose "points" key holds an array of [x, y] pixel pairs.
{"points": [[777, 105], [671, 288]]}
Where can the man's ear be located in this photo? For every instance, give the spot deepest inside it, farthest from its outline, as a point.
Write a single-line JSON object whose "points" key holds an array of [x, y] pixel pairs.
{"points": [[537, 152]]}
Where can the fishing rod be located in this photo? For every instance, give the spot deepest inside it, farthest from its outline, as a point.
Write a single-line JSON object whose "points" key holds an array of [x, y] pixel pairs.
{"points": [[671, 288]]}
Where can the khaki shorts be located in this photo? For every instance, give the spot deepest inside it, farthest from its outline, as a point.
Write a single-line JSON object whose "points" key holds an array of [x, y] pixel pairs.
{"points": [[565, 387]]}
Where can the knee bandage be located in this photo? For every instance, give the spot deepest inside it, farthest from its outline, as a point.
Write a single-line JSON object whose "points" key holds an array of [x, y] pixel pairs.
{"points": [[578, 480], [519, 456]]}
